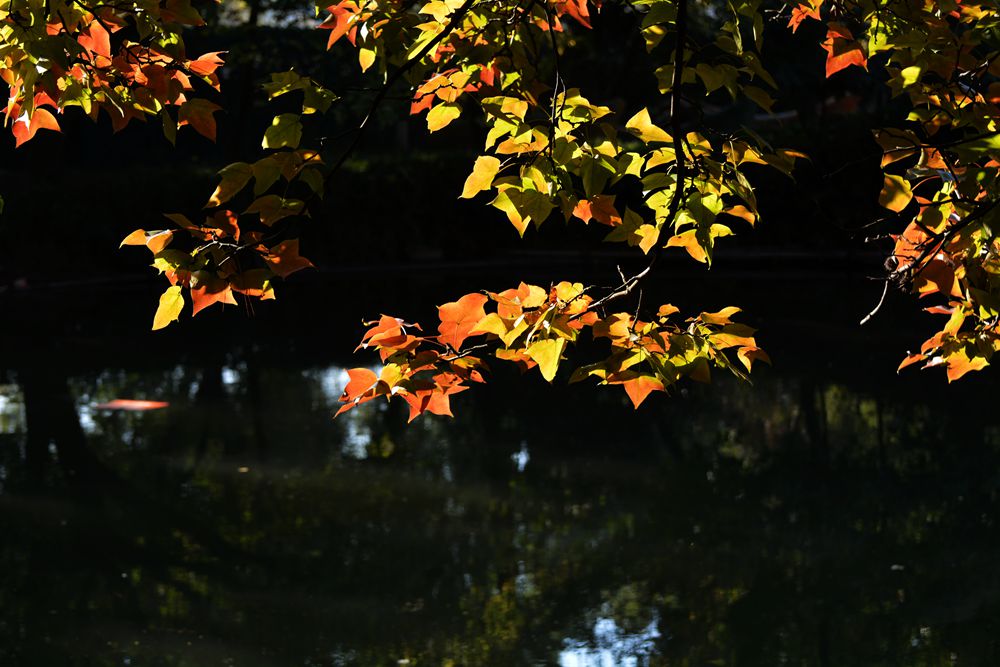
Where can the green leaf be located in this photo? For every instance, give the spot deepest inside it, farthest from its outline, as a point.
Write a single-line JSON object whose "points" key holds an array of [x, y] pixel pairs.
{"points": [[285, 132]]}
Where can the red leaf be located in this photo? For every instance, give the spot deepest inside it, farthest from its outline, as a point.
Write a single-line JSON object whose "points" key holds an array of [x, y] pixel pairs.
{"points": [[459, 318], [25, 128], [842, 50]]}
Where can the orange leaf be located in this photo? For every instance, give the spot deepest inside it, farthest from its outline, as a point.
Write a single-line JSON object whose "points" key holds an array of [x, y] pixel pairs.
{"points": [[640, 387], [748, 355], [459, 318], [206, 64], [436, 401], [284, 258], [198, 114], [339, 21], [689, 241], [910, 360], [25, 128], [959, 363], [210, 290], [842, 50], [360, 388], [801, 13]]}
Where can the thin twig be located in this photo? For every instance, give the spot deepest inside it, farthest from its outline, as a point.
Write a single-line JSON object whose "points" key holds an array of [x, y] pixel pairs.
{"points": [[885, 290]]}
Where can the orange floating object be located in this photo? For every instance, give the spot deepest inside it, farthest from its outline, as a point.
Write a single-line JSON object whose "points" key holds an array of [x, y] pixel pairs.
{"points": [[131, 405]]}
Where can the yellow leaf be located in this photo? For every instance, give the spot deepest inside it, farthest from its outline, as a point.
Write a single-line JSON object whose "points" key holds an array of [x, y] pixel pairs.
{"points": [[492, 323], [546, 354], [896, 193], [740, 211], [641, 126], [722, 317], [482, 176], [648, 236], [689, 241], [366, 57], [748, 354], [441, 115], [171, 303]]}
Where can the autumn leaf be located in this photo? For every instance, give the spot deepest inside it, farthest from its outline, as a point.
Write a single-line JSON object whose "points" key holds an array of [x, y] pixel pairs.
{"points": [[546, 353], [640, 387], [575, 8], [959, 363], [234, 178], [155, 241], [25, 127], [284, 258], [459, 319], [359, 389], [198, 114], [483, 173], [689, 241], [721, 318], [436, 401], [748, 355], [441, 115], [803, 11], [339, 20], [272, 208], [207, 289], [896, 193], [169, 309], [842, 50], [910, 360], [642, 126], [207, 63]]}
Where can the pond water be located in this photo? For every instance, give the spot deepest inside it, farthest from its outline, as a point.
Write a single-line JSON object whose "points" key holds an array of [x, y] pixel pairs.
{"points": [[831, 514]]}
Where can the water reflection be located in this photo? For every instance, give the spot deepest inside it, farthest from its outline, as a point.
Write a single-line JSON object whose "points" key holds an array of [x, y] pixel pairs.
{"points": [[799, 522]]}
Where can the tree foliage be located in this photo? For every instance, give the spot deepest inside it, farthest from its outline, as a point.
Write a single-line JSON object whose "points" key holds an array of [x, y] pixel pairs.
{"points": [[659, 177]]}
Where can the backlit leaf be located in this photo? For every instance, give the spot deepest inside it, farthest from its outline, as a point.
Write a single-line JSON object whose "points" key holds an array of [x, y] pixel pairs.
{"points": [[896, 193], [546, 354], [642, 126], [459, 319], [169, 308], [482, 176]]}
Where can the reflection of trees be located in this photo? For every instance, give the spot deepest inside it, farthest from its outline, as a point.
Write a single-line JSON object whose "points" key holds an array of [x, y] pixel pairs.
{"points": [[716, 515]]}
